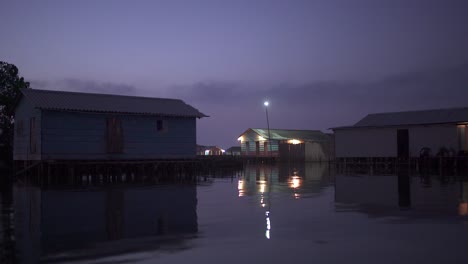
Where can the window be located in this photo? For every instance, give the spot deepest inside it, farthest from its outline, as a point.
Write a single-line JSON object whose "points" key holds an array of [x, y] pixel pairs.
{"points": [[161, 125]]}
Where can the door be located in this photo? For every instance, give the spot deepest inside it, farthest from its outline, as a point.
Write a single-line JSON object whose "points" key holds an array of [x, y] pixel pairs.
{"points": [[403, 143], [114, 135], [257, 148]]}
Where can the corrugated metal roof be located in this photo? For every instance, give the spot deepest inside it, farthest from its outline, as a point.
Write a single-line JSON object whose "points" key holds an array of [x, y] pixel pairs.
{"points": [[107, 103], [437, 116], [286, 134]]}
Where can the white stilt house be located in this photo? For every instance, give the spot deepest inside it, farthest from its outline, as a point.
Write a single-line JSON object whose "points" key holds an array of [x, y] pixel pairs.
{"points": [[405, 134]]}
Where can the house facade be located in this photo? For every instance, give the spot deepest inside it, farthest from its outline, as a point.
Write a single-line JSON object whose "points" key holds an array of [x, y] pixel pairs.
{"points": [[56, 125], [294, 145], [405, 134]]}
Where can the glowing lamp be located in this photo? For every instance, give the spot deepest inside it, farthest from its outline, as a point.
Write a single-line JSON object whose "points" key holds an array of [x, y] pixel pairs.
{"points": [[294, 141]]}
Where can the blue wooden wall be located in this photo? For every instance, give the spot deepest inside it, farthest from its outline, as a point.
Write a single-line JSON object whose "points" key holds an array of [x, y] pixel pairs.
{"points": [[72, 135], [23, 114]]}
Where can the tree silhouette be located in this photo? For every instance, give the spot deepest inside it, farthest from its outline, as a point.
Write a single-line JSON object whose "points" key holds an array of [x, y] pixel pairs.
{"points": [[10, 86]]}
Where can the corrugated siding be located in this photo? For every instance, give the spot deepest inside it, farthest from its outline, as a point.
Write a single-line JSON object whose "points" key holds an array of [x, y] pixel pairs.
{"points": [[68, 135], [22, 148], [253, 137]]}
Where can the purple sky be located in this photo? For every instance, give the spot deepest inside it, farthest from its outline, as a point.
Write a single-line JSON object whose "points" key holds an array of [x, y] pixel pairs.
{"points": [[320, 63]]}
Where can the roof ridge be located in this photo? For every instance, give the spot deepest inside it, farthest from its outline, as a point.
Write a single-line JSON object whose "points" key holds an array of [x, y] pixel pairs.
{"points": [[99, 94], [96, 102], [415, 111]]}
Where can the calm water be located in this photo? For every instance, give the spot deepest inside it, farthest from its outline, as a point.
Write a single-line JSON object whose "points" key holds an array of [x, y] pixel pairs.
{"points": [[265, 214]]}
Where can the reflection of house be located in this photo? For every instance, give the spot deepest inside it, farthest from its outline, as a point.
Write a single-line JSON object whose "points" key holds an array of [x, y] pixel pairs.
{"points": [[297, 145], [387, 195], [76, 126], [404, 134], [54, 221], [233, 151], [292, 178]]}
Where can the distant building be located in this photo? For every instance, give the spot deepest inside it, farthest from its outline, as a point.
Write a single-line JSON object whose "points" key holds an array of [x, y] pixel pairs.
{"points": [[405, 134], [294, 145], [201, 150], [56, 125], [209, 150], [233, 151]]}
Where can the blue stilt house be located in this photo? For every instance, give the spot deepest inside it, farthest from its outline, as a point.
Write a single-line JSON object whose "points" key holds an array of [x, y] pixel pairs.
{"points": [[57, 125]]}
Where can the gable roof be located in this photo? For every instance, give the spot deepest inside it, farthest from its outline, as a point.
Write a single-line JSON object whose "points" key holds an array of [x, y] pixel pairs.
{"points": [[107, 103], [422, 117], [287, 134], [438, 116]]}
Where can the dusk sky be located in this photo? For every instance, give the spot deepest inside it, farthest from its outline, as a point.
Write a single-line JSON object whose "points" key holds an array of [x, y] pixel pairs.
{"points": [[321, 64]]}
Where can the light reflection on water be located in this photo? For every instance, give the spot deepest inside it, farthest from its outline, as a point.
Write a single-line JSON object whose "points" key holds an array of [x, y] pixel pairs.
{"points": [[276, 214]]}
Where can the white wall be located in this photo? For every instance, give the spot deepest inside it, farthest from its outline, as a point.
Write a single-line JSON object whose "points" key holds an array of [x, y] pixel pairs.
{"points": [[382, 142], [433, 137], [365, 143]]}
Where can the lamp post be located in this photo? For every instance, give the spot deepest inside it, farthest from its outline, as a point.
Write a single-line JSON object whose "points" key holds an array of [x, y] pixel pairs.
{"points": [[267, 213], [266, 103]]}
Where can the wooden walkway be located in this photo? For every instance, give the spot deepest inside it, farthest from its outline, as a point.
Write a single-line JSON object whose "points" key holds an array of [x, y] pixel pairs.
{"points": [[56, 171]]}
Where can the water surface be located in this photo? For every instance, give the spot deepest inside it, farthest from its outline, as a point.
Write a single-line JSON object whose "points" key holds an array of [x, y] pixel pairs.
{"points": [[296, 213]]}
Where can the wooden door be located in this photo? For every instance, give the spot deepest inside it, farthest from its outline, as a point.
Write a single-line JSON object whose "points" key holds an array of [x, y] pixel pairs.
{"points": [[403, 143], [114, 135]]}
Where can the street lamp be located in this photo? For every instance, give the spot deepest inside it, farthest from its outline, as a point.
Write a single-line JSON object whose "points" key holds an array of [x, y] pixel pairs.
{"points": [[266, 103]]}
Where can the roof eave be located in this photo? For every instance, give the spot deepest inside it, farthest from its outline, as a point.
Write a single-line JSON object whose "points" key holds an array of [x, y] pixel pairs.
{"points": [[119, 112], [399, 125]]}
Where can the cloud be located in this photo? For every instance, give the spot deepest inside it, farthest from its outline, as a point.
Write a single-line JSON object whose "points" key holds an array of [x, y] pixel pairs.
{"points": [[85, 86], [235, 106], [442, 88]]}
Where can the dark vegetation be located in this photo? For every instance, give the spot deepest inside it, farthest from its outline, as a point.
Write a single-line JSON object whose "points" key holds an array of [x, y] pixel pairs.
{"points": [[10, 85]]}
